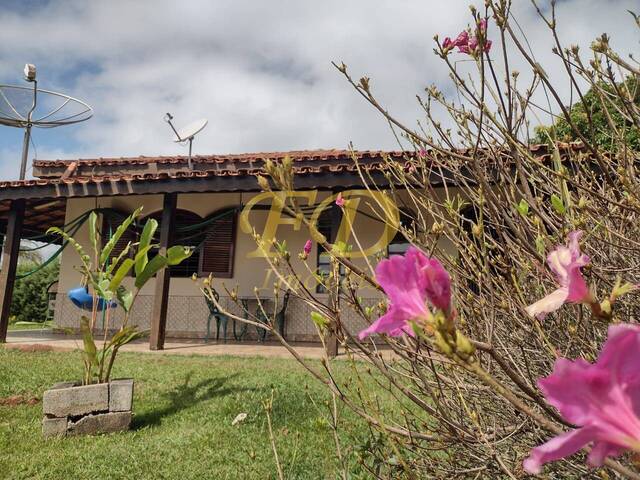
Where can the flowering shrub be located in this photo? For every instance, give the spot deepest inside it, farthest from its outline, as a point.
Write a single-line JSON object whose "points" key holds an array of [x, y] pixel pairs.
{"points": [[408, 282], [601, 398], [522, 365], [566, 263]]}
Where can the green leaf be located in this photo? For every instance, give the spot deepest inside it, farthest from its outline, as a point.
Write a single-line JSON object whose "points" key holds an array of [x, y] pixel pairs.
{"points": [[177, 254], [320, 320], [120, 274], [141, 257], [102, 288], [123, 254], [74, 243], [93, 232], [126, 335], [523, 208], [125, 298], [156, 264], [117, 234], [145, 244], [90, 350], [558, 204]]}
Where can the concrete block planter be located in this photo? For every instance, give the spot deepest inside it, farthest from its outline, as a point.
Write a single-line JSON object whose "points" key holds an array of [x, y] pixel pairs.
{"points": [[70, 409]]}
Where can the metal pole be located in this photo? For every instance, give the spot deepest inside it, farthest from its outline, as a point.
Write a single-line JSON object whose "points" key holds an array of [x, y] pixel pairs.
{"points": [[27, 133], [190, 144], [25, 151]]}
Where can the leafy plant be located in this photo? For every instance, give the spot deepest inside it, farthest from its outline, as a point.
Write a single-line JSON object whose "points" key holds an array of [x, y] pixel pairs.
{"points": [[104, 276], [30, 301]]}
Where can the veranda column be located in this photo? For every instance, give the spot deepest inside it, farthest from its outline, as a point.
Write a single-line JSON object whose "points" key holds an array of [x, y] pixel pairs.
{"points": [[161, 296], [331, 340], [10, 263]]}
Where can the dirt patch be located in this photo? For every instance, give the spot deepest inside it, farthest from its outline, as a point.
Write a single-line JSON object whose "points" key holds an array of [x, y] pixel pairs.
{"points": [[15, 400], [32, 347]]}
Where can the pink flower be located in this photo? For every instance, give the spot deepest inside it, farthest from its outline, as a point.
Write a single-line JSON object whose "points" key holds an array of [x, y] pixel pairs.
{"points": [[602, 399], [409, 281], [473, 46], [566, 263], [461, 39], [466, 44], [307, 248], [340, 200]]}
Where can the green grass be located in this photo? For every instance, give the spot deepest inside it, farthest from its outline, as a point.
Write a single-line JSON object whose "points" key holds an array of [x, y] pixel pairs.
{"points": [[182, 429], [29, 326]]}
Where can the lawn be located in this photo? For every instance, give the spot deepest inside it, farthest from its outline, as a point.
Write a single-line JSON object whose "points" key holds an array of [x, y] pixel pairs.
{"points": [[29, 326], [182, 429]]}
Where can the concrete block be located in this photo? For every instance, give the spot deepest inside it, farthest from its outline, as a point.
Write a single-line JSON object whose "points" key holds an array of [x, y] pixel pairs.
{"points": [[121, 395], [74, 401], [100, 423], [54, 427]]}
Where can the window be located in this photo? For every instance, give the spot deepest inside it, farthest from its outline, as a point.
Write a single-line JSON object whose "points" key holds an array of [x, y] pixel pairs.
{"points": [[217, 253], [469, 218], [212, 239], [325, 227], [399, 244]]}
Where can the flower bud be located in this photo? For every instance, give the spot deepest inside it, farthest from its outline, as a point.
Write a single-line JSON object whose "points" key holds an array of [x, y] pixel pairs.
{"points": [[464, 347], [442, 343]]}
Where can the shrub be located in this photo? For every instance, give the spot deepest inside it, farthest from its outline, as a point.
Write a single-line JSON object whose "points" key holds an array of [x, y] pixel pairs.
{"points": [[466, 383], [30, 301]]}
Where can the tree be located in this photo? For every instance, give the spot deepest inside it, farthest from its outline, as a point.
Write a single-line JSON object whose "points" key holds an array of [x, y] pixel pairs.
{"points": [[30, 301], [601, 125]]}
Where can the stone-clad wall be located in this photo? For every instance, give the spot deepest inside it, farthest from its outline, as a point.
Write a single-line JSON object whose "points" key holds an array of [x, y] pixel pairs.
{"points": [[187, 317]]}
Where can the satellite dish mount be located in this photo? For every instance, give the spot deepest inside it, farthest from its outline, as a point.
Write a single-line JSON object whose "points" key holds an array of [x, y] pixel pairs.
{"points": [[187, 133]]}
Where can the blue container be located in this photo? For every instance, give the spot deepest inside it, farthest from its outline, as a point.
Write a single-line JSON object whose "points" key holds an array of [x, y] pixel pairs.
{"points": [[82, 299]]}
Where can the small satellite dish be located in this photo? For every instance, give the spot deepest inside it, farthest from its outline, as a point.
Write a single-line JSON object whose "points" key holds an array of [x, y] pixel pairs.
{"points": [[187, 133], [191, 130]]}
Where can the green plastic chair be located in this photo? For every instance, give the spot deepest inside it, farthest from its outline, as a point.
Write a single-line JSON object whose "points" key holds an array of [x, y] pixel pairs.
{"points": [[279, 319], [221, 319]]}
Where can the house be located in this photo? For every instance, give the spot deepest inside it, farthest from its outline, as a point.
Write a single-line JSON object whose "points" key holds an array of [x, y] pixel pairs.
{"points": [[215, 206]]}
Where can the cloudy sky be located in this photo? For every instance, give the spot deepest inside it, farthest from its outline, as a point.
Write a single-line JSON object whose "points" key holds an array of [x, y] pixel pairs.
{"points": [[260, 71]]}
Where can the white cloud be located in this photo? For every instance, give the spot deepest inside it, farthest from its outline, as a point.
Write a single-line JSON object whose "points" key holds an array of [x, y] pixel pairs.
{"points": [[259, 71]]}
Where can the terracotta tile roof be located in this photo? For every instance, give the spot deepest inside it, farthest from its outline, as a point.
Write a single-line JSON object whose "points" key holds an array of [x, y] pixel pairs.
{"points": [[133, 169], [238, 158], [79, 173]]}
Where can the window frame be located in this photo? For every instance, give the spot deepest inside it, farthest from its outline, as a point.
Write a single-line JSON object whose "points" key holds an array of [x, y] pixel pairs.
{"points": [[232, 247]]}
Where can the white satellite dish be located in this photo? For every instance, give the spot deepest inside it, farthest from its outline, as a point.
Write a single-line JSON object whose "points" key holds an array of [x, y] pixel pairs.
{"points": [[191, 130], [187, 133]]}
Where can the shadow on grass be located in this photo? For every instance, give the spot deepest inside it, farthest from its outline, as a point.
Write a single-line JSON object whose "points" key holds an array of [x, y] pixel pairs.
{"points": [[186, 396]]}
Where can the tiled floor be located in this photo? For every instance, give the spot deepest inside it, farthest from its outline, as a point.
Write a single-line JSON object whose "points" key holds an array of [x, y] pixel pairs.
{"points": [[46, 340]]}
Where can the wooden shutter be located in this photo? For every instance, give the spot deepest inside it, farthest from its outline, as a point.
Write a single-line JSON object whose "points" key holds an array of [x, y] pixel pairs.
{"points": [[111, 220], [184, 234], [218, 248]]}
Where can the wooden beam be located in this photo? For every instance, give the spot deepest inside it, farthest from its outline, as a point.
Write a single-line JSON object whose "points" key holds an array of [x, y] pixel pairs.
{"points": [[161, 297], [10, 253], [186, 184]]}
